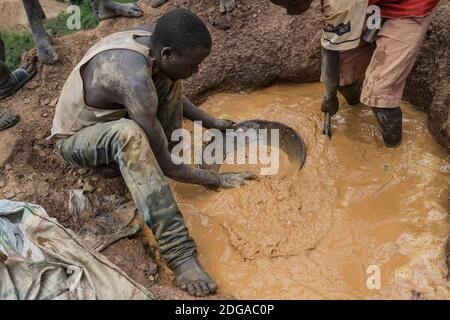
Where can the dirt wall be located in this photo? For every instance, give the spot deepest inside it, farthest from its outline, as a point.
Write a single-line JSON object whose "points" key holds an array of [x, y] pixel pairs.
{"points": [[258, 44]]}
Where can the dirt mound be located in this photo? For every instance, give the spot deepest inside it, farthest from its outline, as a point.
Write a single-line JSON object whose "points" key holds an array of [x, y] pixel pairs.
{"points": [[254, 46]]}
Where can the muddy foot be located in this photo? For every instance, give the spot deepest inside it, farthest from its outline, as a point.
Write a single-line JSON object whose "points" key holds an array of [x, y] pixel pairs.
{"points": [[192, 278], [227, 5], [109, 9], [45, 51], [157, 3]]}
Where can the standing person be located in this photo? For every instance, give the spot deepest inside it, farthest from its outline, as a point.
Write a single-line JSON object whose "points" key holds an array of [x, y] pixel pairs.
{"points": [[386, 60]]}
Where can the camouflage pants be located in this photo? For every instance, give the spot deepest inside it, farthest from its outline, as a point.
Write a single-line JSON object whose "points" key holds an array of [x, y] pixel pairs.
{"points": [[125, 143]]}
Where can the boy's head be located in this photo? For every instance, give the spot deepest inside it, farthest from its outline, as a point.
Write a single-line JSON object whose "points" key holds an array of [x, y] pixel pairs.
{"points": [[293, 7], [181, 41]]}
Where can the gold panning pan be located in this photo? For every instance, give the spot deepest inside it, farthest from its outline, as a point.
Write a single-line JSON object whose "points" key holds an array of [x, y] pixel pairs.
{"points": [[290, 141]]}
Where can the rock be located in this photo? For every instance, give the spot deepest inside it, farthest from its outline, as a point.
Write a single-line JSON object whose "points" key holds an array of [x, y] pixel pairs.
{"points": [[10, 195], [53, 102], [46, 102], [26, 101], [82, 171], [8, 166], [88, 187], [32, 85], [44, 115], [2, 184]]}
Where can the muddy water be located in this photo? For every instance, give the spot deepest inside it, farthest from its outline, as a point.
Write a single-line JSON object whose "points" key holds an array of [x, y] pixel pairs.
{"points": [[325, 231]]}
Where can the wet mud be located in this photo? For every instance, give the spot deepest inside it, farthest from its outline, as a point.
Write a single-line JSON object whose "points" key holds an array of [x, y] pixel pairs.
{"points": [[356, 210]]}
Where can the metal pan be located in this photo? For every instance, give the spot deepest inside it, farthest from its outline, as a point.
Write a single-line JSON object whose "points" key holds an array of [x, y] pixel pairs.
{"points": [[290, 140]]}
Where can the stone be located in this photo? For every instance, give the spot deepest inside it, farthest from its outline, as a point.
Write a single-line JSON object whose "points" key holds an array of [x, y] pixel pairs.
{"points": [[53, 102], [10, 195]]}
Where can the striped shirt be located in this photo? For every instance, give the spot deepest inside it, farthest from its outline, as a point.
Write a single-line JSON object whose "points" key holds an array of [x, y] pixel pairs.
{"points": [[404, 8]]}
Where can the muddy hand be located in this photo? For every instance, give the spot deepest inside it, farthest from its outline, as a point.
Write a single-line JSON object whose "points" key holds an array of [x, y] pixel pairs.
{"points": [[330, 105], [228, 180], [223, 124], [191, 277]]}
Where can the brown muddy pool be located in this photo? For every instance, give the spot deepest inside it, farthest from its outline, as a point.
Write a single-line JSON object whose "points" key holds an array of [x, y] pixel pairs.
{"points": [[359, 221]]}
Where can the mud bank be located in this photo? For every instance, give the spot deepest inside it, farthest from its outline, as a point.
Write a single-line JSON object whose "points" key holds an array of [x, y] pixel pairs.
{"points": [[251, 50]]}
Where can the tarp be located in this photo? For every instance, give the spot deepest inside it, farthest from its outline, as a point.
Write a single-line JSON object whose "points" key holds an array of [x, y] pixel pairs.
{"points": [[40, 259]]}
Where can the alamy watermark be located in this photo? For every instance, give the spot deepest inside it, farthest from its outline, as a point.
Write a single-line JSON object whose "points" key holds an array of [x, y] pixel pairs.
{"points": [[73, 21], [234, 146], [374, 20]]}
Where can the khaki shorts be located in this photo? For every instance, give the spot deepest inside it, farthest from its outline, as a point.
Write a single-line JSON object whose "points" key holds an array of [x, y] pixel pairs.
{"points": [[386, 63]]}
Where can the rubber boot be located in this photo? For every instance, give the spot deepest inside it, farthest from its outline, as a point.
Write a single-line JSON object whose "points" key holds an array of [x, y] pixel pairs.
{"points": [[390, 120], [351, 93]]}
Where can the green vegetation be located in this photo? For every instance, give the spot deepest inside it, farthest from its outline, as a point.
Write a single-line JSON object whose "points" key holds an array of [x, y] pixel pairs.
{"points": [[18, 43]]}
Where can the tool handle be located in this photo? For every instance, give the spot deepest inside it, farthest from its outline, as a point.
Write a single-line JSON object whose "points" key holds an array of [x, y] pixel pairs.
{"points": [[327, 125]]}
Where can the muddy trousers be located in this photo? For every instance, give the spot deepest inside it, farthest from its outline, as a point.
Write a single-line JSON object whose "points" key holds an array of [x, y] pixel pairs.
{"points": [[125, 143]]}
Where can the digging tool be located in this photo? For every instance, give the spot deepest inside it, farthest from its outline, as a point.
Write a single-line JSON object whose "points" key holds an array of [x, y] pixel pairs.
{"points": [[327, 125]]}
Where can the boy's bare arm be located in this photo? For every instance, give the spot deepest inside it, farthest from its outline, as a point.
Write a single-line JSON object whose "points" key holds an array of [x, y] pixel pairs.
{"points": [[194, 113]]}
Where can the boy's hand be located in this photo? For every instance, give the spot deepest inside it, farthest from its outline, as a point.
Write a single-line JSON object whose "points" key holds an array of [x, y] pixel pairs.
{"points": [[228, 180], [223, 124]]}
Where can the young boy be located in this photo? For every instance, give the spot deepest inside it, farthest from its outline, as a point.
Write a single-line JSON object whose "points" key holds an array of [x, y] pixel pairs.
{"points": [[119, 107]]}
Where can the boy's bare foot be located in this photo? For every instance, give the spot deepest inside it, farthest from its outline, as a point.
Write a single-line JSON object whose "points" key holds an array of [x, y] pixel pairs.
{"points": [[191, 277]]}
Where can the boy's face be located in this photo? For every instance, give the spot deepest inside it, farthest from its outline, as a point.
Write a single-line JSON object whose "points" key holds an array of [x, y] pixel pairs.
{"points": [[179, 66], [293, 7]]}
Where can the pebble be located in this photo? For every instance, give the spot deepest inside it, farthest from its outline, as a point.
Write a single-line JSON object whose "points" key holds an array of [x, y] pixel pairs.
{"points": [[82, 171], [46, 102], [8, 166], [26, 101], [32, 85], [53, 102], [2, 184], [45, 115], [88, 187], [10, 195]]}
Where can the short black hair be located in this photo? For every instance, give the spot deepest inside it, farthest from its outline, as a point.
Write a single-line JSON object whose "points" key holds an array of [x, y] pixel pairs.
{"points": [[181, 29]]}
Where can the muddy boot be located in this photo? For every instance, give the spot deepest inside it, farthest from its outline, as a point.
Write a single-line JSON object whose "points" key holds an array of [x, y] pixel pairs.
{"points": [[351, 93], [390, 120]]}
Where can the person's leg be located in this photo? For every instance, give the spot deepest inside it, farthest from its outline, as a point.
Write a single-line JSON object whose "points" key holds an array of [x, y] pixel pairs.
{"points": [[125, 143], [106, 9], [398, 44], [157, 3], [46, 53], [2, 50], [353, 64]]}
